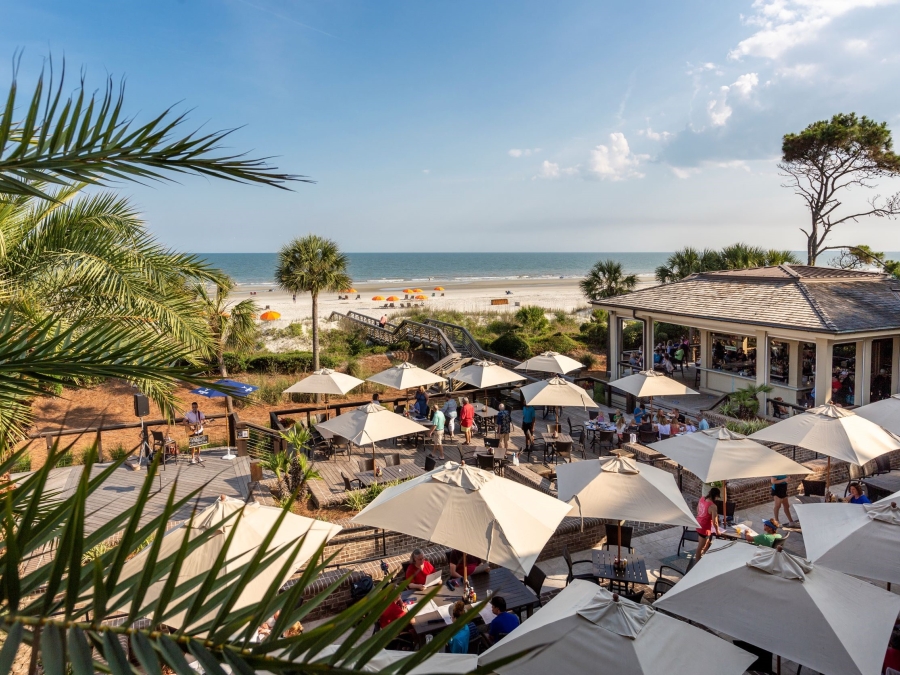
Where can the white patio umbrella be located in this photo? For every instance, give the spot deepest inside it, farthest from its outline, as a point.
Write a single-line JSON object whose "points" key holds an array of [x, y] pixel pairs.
{"points": [[859, 539], [370, 423], [551, 362], [649, 383], [789, 606], [405, 376], [832, 431], [585, 629], [556, 392], [324, 381], [619, 489], [719, 454], [447, 664], [252, 527], [884, 413], [471, 510], [484, 375]]}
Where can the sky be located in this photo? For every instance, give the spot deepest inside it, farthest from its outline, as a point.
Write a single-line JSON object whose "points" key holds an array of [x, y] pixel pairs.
{"points": [[507, 126]]}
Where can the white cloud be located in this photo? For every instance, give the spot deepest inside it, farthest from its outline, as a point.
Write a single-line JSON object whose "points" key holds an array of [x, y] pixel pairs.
{"points": [[745, 83], [684, 172], [523, 152], [856, 46], [552, 170], [616, 161], [654, 135], [785, 24], [718, 108], [426, 171], [800, 71]]}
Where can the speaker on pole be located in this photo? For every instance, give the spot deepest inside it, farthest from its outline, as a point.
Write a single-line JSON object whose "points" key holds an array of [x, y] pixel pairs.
{"points": [[141, 405]]}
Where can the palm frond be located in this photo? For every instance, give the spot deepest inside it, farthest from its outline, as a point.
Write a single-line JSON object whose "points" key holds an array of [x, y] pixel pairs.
{"points": [[86, 138]]}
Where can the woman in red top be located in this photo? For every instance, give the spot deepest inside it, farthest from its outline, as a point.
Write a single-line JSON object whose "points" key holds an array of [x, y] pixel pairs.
{"points": [[418, 569], [394, 611], [467, 420], [708, 517]]}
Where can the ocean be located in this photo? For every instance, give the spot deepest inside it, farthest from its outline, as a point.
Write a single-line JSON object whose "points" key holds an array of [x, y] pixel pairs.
{"points": [[259, 268]]}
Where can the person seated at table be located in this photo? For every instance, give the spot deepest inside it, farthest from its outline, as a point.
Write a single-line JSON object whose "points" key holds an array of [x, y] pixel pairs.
{"points": [[667, 365], [459, 643], [635, 362], [621, 425], [657, 359], [646, 425], [421, 406], [856, 495], [678, 428], [474, 564], [639, 413], [394, 611], [664, 427], [503, 623], [689, 427], [767, 538], [419, 569], [703, 424]]}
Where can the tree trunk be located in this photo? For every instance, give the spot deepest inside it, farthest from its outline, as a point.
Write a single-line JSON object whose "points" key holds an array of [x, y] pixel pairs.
{"points": [[223, 371], [315, 330]]}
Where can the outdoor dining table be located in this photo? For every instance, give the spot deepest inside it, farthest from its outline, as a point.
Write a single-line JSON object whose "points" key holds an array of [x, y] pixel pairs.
{"points": [[499, 462], [485, 417], [425, 422], [635, 571], [390, 474], [879, 487], [500, 581]]}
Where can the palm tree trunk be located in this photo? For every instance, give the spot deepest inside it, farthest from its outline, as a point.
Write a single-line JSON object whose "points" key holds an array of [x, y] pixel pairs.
{"points": [[315, 330]]}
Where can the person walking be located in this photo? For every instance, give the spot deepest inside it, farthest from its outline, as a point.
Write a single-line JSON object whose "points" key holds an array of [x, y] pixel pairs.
{"points": [[504, 426], [528, 416], [708, 518], [467, 420], [780, 498], [437, 431], [449, 411]]}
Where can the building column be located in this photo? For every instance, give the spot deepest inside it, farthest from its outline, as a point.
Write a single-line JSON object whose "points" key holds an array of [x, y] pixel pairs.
{"points": [[763, 354], [862, 385], [705, 355], [824, 354], [615, 346], [648, 342], [795, 366], [895, 366]]}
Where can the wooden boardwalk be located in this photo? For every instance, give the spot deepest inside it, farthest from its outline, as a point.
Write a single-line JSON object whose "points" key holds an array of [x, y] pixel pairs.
{"points": [[216, 476]]}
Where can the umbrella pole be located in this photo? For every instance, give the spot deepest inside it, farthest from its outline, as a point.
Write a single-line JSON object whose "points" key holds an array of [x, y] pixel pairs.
{"points": [[619, 553], [827, 478], [465, 571], [725, 503]]}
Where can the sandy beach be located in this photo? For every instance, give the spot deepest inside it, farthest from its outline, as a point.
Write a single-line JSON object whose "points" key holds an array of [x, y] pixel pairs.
{"points": [[475, 296]]}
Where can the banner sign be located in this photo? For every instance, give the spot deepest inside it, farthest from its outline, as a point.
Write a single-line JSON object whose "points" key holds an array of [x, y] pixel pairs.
{"points": [[197, 441]]}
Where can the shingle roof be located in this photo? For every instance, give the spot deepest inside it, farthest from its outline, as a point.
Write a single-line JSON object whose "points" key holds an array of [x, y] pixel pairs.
{"points": [[787, 296]]}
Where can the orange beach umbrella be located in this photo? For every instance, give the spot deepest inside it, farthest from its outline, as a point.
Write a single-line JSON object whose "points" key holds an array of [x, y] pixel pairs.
{"points": [[349, 290], [438, 288], [408, 290], [416, 290], [270, 316], [392, 298], [421, 297], [378, 297]]}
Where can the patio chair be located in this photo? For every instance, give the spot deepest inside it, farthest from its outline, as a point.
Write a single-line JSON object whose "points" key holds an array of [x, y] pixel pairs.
{"points": [[605, 439], [665, 582], [564, 450], [392, 460], [485, 462], [571, 576], [367, 464], [430, 463], [857, 473], [637, 596], [574, 430], [728, 509], [340, 445], [581, 441], [593, 414], [492, 442], [646, 437], [763, 663], [535, 581], [687, 534], [467, 453], [612, 537], [168, 446], [348, 483], [813, 488], [882, 464]]}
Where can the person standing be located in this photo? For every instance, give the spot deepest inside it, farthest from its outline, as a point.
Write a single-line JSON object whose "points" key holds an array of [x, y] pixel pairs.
{"points": [[708, 518], [383, 320], [780, 498], [449, 411], [194, 419], [467, 420], [528, 416], [421, 406], [437, 431], [504, 424]]}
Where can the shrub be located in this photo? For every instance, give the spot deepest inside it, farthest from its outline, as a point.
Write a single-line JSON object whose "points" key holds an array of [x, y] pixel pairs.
{"points": [[558, 342], [747, 427], [118, 453], [22, 464], [356, 500], [588, 360], [270, 392], [286, 363], [66, 459], [295, 329], [532, 319], [355, 369], [511, 346], [379, 349]]}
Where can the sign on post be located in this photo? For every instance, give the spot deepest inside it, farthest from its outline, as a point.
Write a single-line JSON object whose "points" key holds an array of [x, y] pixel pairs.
{"points": [[198, 441]]}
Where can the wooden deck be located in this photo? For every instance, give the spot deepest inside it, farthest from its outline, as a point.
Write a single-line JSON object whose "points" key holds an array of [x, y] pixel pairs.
{"points": [[214, 477]]}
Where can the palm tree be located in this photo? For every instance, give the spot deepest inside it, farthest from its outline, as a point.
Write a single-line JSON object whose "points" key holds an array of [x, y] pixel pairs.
{"points": [[232, 325], [606, 279], [312, 264], [86, 138], [689, 261]]}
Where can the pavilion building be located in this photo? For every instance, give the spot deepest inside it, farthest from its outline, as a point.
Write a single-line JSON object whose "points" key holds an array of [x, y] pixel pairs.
{"points": [[797, 328]]}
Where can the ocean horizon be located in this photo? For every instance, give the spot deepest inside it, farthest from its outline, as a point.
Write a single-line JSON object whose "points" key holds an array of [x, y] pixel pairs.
{"points": [[259, 268]]}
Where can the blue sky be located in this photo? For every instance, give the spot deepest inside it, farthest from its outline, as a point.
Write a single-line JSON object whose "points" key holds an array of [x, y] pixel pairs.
{"points": [[487, 125]]}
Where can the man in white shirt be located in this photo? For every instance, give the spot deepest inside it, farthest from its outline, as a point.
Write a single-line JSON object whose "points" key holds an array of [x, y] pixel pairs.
{"points": [[194, 419]]}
